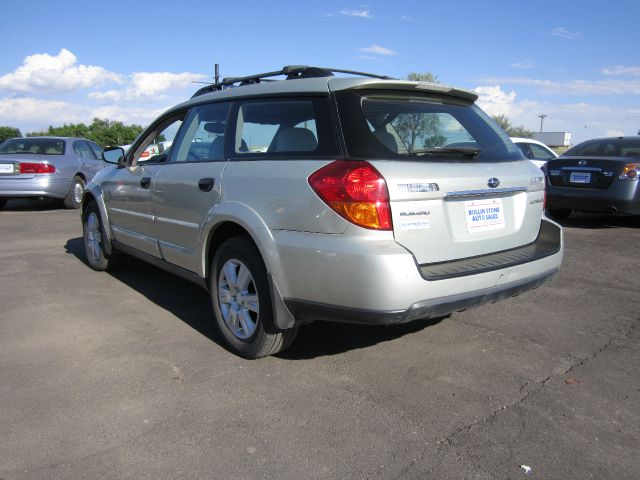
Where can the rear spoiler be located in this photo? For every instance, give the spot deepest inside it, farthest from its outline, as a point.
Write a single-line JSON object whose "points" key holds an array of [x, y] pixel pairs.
{"points": [[407, 85]]}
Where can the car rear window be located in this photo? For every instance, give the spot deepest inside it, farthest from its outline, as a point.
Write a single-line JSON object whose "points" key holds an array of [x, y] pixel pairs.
{"points": [[606, 147], [33, 146], [420, 127]]}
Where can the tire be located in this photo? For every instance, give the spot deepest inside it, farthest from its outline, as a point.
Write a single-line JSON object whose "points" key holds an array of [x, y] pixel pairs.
{"points": [[93, 235], [74, 196], [242, 306], [3, 202], [559, 213]]}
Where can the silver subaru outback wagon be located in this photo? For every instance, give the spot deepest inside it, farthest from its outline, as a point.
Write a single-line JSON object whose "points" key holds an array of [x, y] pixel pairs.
{"points": [[356, 198]]}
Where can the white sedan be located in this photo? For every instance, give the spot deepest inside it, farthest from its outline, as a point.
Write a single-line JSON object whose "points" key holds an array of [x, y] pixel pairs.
{"points": [[534, 150]]}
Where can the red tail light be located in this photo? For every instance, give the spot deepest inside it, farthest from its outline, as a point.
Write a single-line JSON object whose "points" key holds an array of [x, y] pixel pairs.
{"points": [[144, 154], [356, 191], [630, 171], [37, 168]]}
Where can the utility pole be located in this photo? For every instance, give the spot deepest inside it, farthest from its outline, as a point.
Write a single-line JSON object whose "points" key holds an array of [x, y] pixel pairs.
{"points": [[542, 116]]}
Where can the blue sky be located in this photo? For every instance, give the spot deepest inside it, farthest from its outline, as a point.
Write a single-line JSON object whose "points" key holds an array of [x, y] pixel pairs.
{"points": [[577, 62]]}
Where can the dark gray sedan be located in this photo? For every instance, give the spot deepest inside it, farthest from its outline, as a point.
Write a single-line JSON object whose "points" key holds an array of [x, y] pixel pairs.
{"points": [[52, 167], [596, 176]]}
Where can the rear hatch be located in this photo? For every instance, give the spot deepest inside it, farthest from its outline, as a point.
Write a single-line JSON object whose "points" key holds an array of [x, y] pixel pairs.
{"points": [[23, 158], [457, 185], [10, 165], [585, 172]]}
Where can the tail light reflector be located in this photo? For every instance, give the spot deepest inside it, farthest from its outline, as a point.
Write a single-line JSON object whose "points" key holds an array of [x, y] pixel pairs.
{"points": [[36, 168], [630, 171], [356, 191]]}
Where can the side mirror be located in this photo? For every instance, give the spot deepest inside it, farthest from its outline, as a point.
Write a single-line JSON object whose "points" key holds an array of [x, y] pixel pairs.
{"points": [[113, 155]]}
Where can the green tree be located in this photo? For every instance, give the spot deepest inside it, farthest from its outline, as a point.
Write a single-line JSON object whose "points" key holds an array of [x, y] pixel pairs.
{"points": [[423, 77], [512, 130], [103, 132], [435, 141], [9, 132], [413, 126]]}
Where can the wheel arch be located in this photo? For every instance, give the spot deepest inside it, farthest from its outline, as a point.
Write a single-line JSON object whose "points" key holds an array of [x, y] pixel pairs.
{"points": [[93, 194], [228, 225]]}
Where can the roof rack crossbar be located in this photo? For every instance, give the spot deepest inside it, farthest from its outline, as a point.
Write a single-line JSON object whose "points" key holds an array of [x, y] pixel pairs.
{"points": [[291, 72]]}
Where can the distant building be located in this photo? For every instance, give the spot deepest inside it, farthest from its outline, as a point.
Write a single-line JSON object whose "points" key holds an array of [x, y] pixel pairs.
{"points": [[554, 139]]}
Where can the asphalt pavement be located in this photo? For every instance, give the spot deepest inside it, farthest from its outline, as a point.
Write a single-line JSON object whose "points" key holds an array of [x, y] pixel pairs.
{"points": [[122, 375]]}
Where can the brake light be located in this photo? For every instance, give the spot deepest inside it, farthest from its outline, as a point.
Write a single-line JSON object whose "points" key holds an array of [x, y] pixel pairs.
{"points": [[356, 191], [144, 154], [37, 168], [630, 171]]}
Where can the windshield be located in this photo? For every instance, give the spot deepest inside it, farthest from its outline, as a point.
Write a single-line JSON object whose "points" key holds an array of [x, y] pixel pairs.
{"points": [[33, 146], [606, 147], [415, 127]]}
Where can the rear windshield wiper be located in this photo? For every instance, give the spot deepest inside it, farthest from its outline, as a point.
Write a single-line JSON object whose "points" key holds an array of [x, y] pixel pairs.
{"points": [[465, 151]]}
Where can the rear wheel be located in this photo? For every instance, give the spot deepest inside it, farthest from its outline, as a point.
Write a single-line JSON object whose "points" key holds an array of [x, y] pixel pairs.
{"points": [[93, 233], [242, 303], [559, 213], [74, 196]]}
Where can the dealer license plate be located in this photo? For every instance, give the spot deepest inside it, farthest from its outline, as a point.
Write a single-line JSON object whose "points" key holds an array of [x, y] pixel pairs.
{"points": [[483, 215], [6, 167], [580, 177]]}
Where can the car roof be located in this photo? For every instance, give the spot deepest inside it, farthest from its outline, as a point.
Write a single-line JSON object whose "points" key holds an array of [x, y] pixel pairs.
{"points": [[527, 140], [324, 85], [51, 137]]}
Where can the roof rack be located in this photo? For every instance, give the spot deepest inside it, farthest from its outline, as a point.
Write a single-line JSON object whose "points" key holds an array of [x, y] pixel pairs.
{"points": [[291, 71]]}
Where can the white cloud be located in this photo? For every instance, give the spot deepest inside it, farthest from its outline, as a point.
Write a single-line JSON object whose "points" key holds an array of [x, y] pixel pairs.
{"points": [[621, 70], [33, 114], [148, 86], [564, 33], [495, 101], [527, 63], [356, 13], [615, 133], [573, 87], [46, 73], [584, 120], [378, 50]]}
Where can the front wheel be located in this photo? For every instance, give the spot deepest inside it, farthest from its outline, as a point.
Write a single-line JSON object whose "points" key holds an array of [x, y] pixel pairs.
{"points": [[242, 303], [74, 196], [93, 234]]}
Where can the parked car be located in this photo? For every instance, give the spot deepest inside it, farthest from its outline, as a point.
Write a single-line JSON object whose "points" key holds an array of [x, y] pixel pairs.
{"points": [[53, 167], [314, 198], [534, 150], [596, 176]]}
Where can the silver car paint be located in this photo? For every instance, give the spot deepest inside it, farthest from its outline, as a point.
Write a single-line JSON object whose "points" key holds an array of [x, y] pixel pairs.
{"points": [[312, 253], [52, 185]]}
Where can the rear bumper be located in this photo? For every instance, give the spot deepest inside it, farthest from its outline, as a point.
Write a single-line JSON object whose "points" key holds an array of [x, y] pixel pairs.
{"points": [[621, 197], [438, 307], [376, 280], [45, 185]]}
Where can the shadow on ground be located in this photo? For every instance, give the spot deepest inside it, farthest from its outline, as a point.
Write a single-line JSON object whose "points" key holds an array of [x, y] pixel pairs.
{"points": [[27, 205], [599, 221], [190, 304]]}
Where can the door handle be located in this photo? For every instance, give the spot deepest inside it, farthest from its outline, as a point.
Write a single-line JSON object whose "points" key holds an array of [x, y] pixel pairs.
{"points": [[145, 182], [206, 184]]}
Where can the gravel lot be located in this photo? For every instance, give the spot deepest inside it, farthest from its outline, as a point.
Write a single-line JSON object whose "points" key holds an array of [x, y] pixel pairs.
{"points": [[122, 375]]}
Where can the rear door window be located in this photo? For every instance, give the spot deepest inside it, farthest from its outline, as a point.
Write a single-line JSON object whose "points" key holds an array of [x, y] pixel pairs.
{"points": [[275, 128], [540, 153]]}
